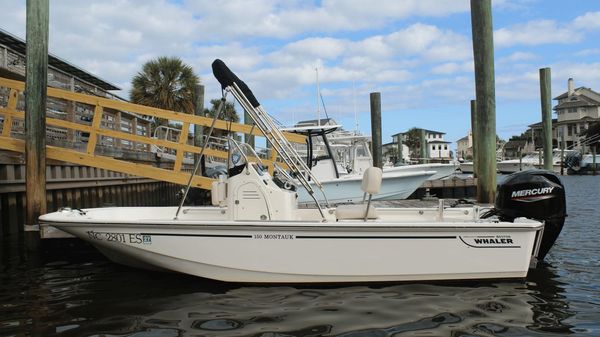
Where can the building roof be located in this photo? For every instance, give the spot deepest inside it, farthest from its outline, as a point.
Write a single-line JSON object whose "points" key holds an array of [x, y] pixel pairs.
{"points": [[555, 122], [438, 142], [463, 139], [577, 101], [20, 47], [539, 124], [579, 91], [575, 121]]}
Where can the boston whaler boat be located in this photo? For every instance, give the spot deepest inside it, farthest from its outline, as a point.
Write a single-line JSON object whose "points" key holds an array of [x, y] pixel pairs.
{"points": [[256, 233]]}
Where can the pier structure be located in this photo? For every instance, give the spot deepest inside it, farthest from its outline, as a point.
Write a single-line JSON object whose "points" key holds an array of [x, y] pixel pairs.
{"points": [[95, 149]]}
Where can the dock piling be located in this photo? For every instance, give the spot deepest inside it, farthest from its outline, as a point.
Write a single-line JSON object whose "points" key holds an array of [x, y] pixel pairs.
{"points": [[375, 99], [483, 54], [594, 160], [36, 78], [546, 100], [400, 151], [474, 135], [198, 111], [423, 142]]}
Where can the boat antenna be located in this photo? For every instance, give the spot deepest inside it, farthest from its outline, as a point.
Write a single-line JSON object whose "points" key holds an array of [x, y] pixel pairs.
{"points": [[354, 106], [318, 103]]}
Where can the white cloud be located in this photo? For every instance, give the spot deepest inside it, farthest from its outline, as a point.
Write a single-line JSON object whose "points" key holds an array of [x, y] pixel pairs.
{"points": [[588, 52], [590, 20], [520, 56], [283, 19], [453, 67], [535, 33]]}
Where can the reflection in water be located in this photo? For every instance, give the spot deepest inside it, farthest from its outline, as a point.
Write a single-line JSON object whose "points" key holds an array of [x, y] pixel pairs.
{"points": [[90, 296], [80, 293], [550, 309]]}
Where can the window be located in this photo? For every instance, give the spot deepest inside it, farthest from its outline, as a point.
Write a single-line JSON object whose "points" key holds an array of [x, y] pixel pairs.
{"points": [[445, 147]]}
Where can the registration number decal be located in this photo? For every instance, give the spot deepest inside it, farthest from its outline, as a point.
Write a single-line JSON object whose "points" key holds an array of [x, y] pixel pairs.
{"points": [[135, 238]]}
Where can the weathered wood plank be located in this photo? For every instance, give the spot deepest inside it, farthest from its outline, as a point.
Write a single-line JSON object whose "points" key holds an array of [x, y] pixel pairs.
{"points": [[149, 111]]}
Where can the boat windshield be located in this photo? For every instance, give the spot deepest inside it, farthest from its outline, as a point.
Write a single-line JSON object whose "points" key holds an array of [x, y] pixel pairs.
{"points": [[241, 154]]}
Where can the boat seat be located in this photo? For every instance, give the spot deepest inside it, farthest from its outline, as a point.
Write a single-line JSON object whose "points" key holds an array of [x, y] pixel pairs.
{"points": [[346, 212], [371, 184]]}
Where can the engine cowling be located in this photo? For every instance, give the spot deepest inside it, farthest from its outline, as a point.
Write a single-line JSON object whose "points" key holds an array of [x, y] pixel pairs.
{"points": [[534, 194]]}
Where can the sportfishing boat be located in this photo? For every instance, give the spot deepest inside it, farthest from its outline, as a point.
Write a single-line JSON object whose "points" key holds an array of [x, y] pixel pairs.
{"points": [[534, 160], [358, 158], [527, 162], [342, 185], [254, 232], [466, 167]]}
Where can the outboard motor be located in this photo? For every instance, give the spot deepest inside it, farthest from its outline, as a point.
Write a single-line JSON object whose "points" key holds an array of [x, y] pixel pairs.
{"points": [[534, 194]]}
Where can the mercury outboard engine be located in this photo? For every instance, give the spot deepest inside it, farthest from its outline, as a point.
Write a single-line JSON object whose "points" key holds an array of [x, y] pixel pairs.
{"points": [[534, 194]]}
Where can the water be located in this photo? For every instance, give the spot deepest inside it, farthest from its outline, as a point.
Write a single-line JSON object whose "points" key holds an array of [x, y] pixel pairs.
{"points": [[74, 291]]}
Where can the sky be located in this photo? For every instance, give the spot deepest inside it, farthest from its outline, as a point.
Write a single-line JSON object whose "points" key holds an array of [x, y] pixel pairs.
{"points": [[417, 53]]}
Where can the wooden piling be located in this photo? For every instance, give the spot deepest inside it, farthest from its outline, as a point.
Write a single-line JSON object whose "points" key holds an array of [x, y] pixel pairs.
{"points": [[594, 160], [36, 79], [198, 111], [248, 139], [483, 54], [546, 100], [424, 146], [562, 161], [474, 135], [375, 99], [400, 151]]}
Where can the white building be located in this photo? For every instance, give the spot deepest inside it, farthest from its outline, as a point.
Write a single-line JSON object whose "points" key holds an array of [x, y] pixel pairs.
{"points": [[464, 146], [437, 147], [577, 108]]}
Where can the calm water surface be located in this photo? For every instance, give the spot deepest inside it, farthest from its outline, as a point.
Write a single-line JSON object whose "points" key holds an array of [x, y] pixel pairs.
{"points": [[74, 291]]}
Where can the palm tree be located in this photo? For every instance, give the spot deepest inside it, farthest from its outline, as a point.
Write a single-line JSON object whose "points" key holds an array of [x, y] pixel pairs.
{"points": [[229, 114], [165, 83], [413, 141]]}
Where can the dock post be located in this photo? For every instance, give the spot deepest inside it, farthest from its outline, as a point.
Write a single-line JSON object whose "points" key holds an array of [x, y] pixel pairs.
{"points": [[400, 152], [423, 142], [248, 139], [594, 160], [198, 111], [483, 54], [375, 99], [474, 135], [519, 154], [36, 81], [546, 100], [562, 162]]}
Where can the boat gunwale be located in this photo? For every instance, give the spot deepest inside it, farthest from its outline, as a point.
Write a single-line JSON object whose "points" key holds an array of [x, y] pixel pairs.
{"points": [[284, 225]]}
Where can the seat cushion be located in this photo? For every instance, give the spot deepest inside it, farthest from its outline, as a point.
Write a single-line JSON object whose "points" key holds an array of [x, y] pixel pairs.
{"points": [[355, 212]]}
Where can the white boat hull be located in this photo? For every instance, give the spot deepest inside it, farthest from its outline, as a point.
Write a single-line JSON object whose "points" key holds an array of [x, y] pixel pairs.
{"points": [[441, 170], [291, 252], [346, 189], [466, 167], [512, 166]]}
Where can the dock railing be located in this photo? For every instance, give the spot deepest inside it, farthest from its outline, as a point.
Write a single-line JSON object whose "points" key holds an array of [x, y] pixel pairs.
{"points": [[100, 126]]}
